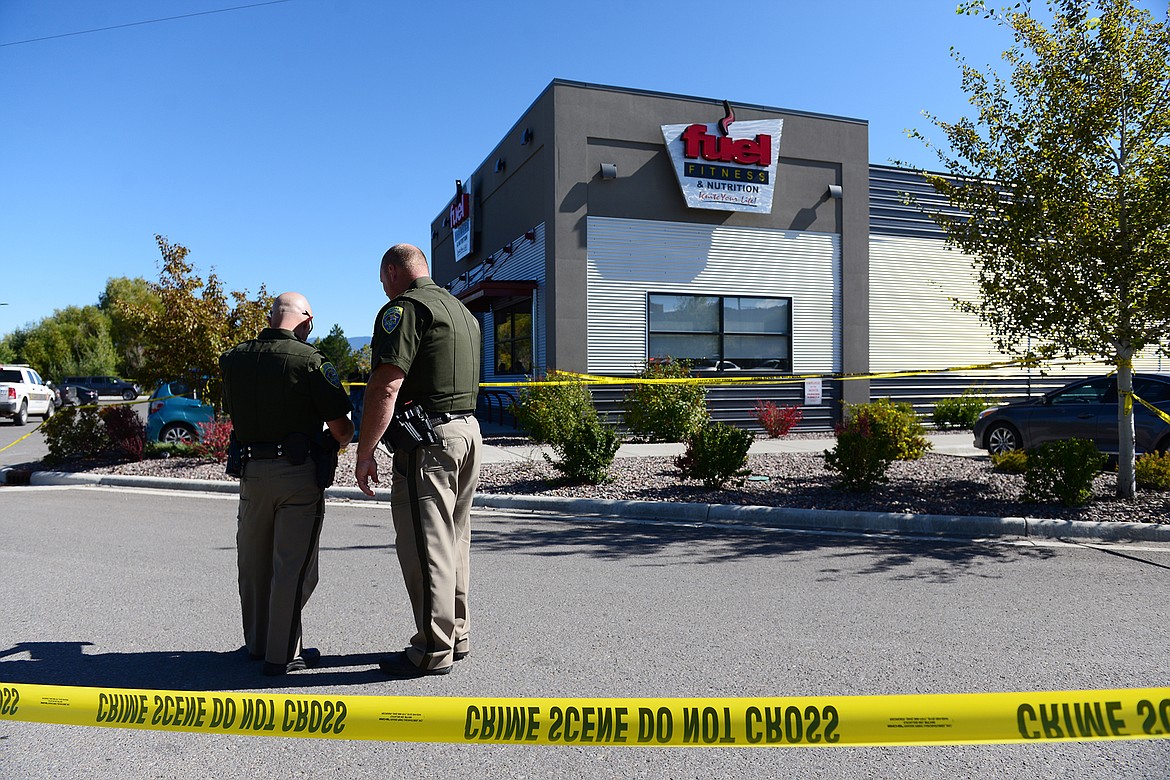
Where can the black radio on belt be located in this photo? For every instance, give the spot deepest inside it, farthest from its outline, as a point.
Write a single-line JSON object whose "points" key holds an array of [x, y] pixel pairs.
{"points": [[409, 429]]}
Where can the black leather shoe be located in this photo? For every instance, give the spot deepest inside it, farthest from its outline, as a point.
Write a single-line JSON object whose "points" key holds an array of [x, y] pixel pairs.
{"points": [[398, 665], [309, 657]]}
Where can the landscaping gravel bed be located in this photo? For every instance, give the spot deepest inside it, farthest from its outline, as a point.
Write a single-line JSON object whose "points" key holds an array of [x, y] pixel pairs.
{"points": [[936, 484]]}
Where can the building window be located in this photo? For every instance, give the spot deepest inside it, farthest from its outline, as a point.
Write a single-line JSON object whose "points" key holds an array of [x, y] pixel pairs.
{"points": [[514, 338], [716, 331]]}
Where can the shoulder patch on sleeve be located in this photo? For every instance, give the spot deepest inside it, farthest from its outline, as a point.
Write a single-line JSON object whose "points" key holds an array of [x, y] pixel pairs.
{"points": [[330, 374], [391, 318]]}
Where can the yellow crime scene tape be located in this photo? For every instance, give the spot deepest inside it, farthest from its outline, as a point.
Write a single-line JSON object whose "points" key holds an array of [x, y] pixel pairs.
{"points": [[574, 377], [87, 406], [798, 721]]}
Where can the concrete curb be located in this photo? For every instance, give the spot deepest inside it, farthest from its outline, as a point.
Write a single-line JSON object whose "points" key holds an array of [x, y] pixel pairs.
{"points": [[715, 514]]}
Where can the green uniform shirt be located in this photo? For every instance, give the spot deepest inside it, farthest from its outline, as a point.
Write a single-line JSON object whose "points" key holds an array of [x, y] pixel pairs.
{"points": [[276, 384], [435, 340]]}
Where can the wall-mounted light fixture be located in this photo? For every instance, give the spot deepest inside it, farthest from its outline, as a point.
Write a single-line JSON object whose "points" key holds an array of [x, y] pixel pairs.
{"points": [[608, 171], [463, 277], [500, 165], [446, 222], [526, 138], [835, 191], [508, 248], [530, 234], [489, 261]]}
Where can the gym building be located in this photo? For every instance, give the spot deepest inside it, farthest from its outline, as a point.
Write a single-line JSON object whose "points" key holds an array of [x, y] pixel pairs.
{"points": [[614, 226]]}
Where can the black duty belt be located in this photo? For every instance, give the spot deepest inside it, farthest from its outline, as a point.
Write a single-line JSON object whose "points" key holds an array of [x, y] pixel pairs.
{"points": [[446, 417], [263, 450]]}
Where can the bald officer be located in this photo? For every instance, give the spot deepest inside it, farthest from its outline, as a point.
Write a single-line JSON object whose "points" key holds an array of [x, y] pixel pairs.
{"points": [[426, 358], [279, 390]]}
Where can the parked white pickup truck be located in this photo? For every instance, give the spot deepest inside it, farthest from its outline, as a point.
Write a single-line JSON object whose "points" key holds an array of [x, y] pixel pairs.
{"points": [[22, 392]]}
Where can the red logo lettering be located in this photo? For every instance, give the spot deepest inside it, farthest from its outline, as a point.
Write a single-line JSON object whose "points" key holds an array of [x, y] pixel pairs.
{"points": [[698, 143], [460, 210]]}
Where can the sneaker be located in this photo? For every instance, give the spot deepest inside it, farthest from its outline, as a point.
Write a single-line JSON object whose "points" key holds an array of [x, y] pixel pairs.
{"points": [[309, 657]]}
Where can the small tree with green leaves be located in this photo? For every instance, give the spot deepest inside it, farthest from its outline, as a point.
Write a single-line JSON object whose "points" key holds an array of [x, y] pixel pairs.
{"points": [[1061, 187], [196, 323]]}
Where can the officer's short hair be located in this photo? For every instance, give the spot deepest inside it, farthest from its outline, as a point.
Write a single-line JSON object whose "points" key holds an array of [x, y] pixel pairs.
{"points": [[405, 256]]}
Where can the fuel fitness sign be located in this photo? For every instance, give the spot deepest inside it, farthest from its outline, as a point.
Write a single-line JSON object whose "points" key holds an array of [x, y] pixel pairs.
{"points": [[725, 167]]}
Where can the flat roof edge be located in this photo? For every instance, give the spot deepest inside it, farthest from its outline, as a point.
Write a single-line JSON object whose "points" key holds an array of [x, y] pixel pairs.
{"points": [[713, 101]]}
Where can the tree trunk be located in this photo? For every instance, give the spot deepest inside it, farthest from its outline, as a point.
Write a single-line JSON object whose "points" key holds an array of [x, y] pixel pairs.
{"points": [[1126, 479]]}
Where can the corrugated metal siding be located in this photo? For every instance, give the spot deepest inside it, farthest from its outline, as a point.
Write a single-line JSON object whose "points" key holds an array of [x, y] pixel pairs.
{"points": [[913, 326], [897, 199], [735, 404], [912, 277], [526, 263], [629, 258]]}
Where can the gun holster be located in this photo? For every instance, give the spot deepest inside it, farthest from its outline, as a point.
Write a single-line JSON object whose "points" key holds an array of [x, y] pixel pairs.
{"points": [[234, 467], [324, 450], [409, 429]]}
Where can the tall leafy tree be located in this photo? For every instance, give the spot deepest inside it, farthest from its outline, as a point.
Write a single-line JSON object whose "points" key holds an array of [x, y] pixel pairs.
{"points": [[1062, 181], [197, 321], [74, 340], [336, 348], [127, 338]]}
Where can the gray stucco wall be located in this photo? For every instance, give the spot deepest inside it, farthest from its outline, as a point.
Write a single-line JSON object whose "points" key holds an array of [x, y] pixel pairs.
{"points": [[556, 180]]}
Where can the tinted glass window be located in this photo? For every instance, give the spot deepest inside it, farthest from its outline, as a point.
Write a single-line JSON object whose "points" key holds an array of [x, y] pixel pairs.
{"points": [[1089, 393], [751, 333], [9, 375], [1151, 390]]}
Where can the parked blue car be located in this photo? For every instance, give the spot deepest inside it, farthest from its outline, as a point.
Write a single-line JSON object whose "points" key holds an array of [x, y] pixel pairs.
{"points": [[175, 413]]}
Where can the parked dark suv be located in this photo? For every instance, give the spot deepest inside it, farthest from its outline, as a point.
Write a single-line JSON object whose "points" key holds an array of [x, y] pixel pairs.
{"points": [[105, 385]]}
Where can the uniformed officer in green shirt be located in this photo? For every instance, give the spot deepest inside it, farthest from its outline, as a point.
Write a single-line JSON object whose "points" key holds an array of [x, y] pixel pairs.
{"points": [[426, 364], [279, 392]]}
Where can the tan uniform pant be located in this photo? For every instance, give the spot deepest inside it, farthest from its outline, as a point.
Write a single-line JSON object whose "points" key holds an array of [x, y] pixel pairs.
{"points": [[430, 501], [280, 516]]}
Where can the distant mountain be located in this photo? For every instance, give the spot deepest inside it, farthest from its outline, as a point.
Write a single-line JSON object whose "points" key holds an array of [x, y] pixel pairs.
{"points": [[357, 342]]}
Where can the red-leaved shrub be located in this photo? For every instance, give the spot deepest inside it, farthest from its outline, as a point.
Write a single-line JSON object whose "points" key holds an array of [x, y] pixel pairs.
{"points": [[777, 420], [214, 437], [126, 432]]}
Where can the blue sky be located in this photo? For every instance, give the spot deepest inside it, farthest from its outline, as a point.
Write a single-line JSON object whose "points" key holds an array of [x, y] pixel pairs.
{"points": [[291, 143]]}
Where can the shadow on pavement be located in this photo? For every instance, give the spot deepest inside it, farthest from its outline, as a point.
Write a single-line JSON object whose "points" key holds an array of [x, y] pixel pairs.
{"points": [[928, 559], [66, 663]]}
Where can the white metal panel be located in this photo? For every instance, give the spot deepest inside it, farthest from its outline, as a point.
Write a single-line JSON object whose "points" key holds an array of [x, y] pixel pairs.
{"points": [[913, 323], [628, 258]]}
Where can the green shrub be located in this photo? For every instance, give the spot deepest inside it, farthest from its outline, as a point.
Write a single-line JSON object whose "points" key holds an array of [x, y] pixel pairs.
{"points": [[547, 413], [155, 450], [74, 432], [586, 451], [1153, 471], [961, 412], [1062, 471], [864, 451], [896, 422], [716, 453], [1010, 462], [125, 430], [667, 411]]}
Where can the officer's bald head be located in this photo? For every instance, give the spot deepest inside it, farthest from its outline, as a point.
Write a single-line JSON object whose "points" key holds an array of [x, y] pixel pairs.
{"points": [[291, 311], [401, 265], [406, 257]]}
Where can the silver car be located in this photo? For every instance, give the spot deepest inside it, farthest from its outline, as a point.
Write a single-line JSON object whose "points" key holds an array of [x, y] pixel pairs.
{"points": [[1084, 410]]}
